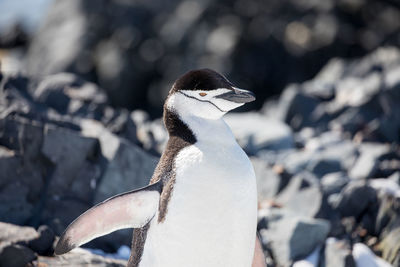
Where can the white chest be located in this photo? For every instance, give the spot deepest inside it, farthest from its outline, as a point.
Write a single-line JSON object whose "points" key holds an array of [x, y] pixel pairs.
{"points": [[211, 218]]}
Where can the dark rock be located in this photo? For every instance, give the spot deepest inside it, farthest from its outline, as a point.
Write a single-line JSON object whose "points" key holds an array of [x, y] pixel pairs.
{"points": [[358, 200], [13, 245], [16, 255], [69, 158], [325, 166], [44, 243], [296, 108], [12, 36]]}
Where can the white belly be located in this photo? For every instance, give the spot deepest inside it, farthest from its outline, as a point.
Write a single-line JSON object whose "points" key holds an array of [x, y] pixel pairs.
{"points": [[212, 214]]}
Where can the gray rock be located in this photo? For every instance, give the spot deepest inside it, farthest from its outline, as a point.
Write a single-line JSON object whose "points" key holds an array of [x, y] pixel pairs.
{"points": [[292, 237], [302, 195], [367, 162], [18, 196], [69, 151], [128, 167], [255, 132], [268, 181], [333, 183]]}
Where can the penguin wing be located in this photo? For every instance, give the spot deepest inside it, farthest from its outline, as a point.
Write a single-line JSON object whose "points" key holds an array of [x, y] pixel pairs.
{"points": [[132, 209]]}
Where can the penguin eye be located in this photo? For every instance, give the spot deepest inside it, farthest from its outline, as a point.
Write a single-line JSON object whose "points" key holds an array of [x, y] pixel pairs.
{"points": [[202, 94]]}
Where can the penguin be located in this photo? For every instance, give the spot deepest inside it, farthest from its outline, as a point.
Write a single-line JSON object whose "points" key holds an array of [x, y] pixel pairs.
{"points": [[200, 207]]}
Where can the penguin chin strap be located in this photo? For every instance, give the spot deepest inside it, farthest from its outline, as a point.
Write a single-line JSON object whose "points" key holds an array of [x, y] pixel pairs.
{"points": [[132, 209]]}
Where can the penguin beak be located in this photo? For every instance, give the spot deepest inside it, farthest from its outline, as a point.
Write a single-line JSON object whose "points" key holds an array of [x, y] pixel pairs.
{"points": [[238, 96]]}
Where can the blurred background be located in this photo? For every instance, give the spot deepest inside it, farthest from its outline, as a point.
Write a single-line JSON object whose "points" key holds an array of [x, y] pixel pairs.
{"points": [[82, 84], [134, 50]]}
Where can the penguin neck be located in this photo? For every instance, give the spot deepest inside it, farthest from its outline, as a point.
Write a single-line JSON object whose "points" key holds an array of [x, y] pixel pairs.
{"points": [[194, 129]]}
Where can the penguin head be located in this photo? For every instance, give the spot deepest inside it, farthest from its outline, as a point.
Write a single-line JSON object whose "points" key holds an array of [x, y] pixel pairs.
{"points": [[207, 94]]}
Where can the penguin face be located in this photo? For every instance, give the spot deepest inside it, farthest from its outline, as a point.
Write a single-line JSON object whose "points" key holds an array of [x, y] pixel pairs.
{"points": [[207, 94]]}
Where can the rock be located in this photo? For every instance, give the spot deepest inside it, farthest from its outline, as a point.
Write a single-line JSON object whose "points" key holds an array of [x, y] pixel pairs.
{"points": [[367, 162], [355, 199], [69, 158], [16, 255], [20, 158], [292, 237], [268, 181], [255, 132], [337, 253], [43, 244], [302, 195], [129, 167], [17, 234], [333, 183], [67, 93], [358, 200], [295, 108]]}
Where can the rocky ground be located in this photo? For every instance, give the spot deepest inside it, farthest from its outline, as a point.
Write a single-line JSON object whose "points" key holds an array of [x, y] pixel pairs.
{"points": [[326, 155]]}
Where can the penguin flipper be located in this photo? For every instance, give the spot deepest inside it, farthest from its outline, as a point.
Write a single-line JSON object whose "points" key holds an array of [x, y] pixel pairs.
{"points": [[132, 209]]}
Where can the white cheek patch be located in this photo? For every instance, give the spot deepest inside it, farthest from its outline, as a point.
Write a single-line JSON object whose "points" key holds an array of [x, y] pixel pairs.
{"points": [[190, 102], [209, 94]]}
